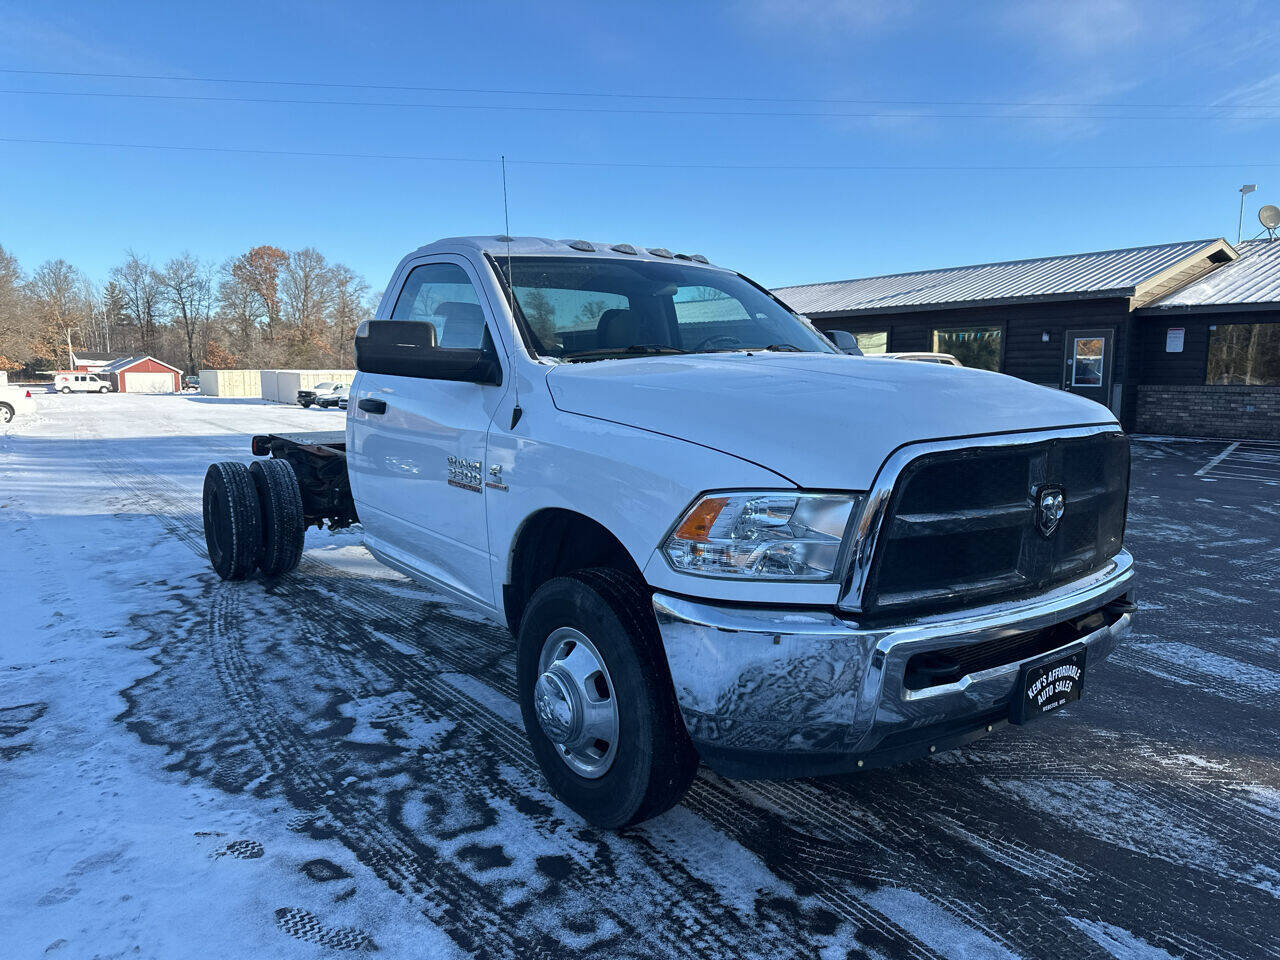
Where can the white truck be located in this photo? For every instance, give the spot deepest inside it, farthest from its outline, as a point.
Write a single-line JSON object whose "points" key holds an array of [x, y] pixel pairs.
{"points": [[15, 401], [75, 382], [711, 534]]}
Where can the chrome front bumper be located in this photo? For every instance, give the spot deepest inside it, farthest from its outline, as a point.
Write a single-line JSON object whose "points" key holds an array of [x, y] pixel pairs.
{"points": [[779, 693]]}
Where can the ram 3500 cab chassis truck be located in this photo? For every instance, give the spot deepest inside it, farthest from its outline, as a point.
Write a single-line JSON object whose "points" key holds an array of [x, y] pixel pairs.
{"points": [[712, 535]]}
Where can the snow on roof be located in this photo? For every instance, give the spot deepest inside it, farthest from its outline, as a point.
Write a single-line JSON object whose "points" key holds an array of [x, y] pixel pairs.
{"points": [[1106, 272], [1254, 278]]}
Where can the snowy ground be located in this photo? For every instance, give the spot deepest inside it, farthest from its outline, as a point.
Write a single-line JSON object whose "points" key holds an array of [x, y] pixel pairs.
{"points": [[197, 769]]}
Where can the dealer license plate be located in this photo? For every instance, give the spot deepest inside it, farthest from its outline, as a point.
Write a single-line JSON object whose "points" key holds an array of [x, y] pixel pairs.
{"points": [[1048, 684]]}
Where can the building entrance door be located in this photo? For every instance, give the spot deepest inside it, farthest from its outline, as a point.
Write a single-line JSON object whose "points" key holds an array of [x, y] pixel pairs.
{"points": [[1089, 362]]}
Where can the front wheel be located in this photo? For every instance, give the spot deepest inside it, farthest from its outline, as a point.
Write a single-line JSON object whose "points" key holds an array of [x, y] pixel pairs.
{"points": [[597, 700], [6, 413], [102, 389], [65, 390]]}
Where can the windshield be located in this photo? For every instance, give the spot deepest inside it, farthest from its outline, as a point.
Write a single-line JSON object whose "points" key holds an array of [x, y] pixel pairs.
{"points": [[579, 308]]}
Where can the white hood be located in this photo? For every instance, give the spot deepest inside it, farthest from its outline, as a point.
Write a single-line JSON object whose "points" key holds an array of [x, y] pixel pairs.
{"points": [[822, 421]]}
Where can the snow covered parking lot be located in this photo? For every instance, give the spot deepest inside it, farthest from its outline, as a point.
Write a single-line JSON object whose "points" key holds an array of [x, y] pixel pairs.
{"points": [[335, 761]]}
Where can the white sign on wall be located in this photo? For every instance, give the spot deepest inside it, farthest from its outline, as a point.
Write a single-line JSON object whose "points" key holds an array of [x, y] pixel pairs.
{"points": [[1174, 338]]}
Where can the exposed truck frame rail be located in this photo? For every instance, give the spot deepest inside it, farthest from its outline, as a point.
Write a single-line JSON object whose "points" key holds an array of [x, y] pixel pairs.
{"points": [[320, 462]]}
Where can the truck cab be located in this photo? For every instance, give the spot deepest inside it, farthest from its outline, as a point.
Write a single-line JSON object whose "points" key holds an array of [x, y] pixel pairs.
{"points": [[713, 535]]}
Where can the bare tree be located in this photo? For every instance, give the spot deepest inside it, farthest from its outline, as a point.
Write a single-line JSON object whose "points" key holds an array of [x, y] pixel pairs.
{"points": [[306, 292], [351, 304], [187, 289], [15, 315], [59, 308], [238, 310], [140, 287], [264, 307]]}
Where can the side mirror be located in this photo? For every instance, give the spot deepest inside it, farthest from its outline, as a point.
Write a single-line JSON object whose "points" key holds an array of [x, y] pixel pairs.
{"points": [[408, 348], [845, 342]]}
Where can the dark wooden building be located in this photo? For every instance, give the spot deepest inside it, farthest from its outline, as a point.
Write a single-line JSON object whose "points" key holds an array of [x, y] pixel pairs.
{"points": [[1180, 338]]}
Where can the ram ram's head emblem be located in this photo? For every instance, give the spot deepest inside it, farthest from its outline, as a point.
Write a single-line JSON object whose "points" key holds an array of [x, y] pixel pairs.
{"points": [[1051, 504]]}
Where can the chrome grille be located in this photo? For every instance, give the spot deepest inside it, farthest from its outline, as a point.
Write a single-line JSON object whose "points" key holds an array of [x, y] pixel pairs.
{"points": [[960, 525]]}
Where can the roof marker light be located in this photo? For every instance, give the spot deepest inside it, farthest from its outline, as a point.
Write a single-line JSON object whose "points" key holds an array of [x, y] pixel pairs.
{"points": [[699, 258], [582, 245], [660, 252], [623, 248]]}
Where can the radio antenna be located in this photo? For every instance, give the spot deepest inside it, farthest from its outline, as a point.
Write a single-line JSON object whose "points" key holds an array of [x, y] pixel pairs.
{"points": [[506, 217], [516, 412]]}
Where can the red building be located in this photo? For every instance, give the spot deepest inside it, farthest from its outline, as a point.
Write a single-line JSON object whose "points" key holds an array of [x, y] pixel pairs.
{"points": [[142, 375]]}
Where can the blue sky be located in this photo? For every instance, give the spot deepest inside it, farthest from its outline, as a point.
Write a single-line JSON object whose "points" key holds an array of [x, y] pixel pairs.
{"points": [[924, 93]]}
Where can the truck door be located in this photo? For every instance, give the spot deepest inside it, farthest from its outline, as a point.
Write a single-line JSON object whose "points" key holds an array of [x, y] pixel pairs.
{"points": [[416, 445]]}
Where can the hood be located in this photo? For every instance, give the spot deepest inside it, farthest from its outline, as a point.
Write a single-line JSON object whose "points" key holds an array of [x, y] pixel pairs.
{"points": [[822, 421]]}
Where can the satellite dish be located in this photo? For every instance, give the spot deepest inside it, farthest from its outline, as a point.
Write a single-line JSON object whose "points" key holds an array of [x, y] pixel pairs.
{"points": [[1269, 216]]}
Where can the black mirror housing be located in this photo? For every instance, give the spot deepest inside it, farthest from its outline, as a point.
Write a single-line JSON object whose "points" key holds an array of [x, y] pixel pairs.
{"points": [[845, 342], [408, 348]]}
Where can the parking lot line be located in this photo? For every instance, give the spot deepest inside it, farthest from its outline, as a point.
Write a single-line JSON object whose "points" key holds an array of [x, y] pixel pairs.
{"points": [[1216, 460], [1252, 461]]}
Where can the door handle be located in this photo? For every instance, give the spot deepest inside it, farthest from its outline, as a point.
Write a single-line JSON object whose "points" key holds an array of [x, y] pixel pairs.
{"points": [[369, 405]]}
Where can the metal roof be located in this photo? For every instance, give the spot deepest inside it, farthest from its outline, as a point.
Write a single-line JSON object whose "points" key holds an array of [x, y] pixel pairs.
{"points": [[1253, 279], [124, 363], [86, 356], [1105, 273]]}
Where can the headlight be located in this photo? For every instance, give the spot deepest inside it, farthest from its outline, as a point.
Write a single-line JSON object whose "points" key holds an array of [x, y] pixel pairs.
{"points": [[766, 535]]}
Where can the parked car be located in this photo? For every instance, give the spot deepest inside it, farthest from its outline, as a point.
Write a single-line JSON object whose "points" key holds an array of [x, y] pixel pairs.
{"points": [[191, 382], [342, 402], [718, 539], [333, 397], [15, 401], [308, 397], [80, 383], [922, 357]]}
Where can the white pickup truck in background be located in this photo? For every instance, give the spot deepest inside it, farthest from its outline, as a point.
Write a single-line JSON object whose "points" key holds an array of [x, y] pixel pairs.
{"points": [[712, 534]]}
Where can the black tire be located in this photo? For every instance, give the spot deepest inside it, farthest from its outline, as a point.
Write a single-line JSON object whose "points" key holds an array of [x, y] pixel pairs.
{"points": [[6, 413], [232, 520], [655, 761], [305, 404], [283, 528], [66, 390]]}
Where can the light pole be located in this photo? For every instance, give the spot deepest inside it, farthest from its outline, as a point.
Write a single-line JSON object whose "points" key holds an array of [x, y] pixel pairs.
{"points": [[1247, 189]]}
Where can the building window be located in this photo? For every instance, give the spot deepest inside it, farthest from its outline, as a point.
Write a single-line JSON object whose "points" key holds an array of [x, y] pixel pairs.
{"points": [[978, 347], [1244, 353], [873, 341], [1086, 368]]}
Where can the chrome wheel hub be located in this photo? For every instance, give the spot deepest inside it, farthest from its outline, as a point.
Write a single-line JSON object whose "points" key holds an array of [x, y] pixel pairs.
{"points": [[574, 700]]}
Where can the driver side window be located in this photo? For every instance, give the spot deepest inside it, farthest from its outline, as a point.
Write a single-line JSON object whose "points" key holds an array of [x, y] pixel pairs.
{"points": [[443, 295]]}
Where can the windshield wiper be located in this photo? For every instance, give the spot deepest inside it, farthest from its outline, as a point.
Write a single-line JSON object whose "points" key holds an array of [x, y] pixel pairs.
{"points": [[635, 350], [783, 347]]}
